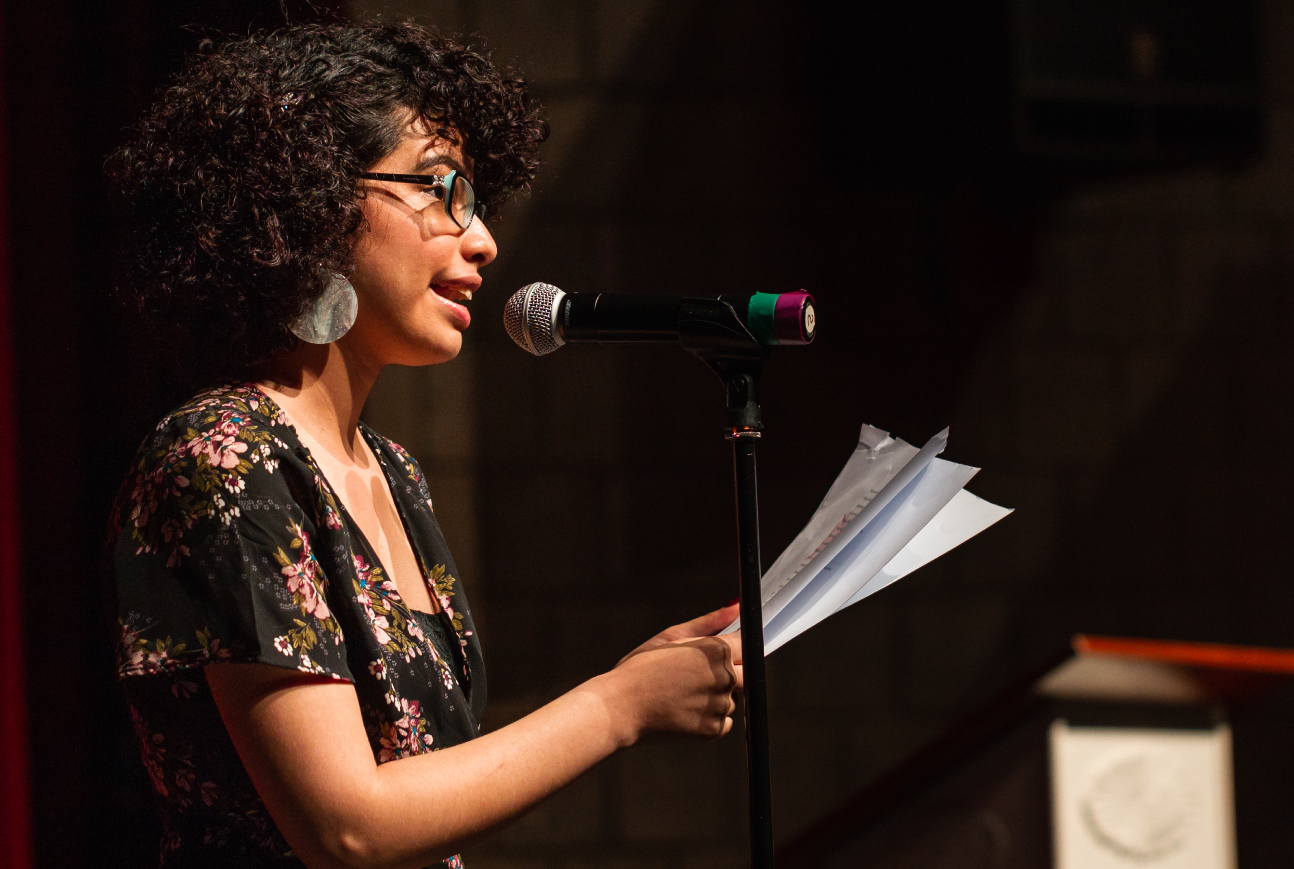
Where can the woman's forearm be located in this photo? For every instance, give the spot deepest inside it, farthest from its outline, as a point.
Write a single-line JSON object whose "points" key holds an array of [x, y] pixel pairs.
{"points": [[305, 748], [472, 788], [303, 742]]}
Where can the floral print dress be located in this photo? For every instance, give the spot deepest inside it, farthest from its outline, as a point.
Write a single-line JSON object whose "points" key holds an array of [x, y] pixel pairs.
{"points": [[227, 545]]}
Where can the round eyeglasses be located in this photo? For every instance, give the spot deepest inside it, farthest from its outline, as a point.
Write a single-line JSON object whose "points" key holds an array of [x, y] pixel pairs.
{"points": [[453, 192]]}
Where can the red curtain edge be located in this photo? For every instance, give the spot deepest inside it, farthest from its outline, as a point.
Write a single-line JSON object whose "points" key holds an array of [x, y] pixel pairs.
{"points": [[15, 783]]}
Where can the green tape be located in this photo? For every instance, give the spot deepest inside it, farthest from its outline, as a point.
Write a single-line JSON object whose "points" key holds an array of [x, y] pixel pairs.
{"points": [[759, 317]]}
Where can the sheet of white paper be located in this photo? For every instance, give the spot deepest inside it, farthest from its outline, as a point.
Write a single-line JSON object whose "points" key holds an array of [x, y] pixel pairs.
{"points": [[869, 550], [964, 516], [867, 506], [892, 509], [875, 461]]}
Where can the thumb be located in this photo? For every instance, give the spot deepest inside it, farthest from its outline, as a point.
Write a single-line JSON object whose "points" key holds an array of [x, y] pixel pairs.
{"points": [[707, 625]]}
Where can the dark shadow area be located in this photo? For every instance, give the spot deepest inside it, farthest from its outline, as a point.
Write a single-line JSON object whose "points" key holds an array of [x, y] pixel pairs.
{"points": [[78, 74]]}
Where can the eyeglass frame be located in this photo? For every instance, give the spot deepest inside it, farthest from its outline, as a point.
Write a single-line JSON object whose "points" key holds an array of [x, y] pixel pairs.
{"points": [[445, 182]]}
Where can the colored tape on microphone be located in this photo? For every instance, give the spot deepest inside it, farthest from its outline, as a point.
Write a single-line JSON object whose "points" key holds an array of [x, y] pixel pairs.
{"points": [[785, 318], [760, 316]]}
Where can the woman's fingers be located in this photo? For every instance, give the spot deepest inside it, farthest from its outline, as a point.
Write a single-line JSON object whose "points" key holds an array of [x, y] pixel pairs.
{"points": [[705, 626], [702, 626], [728, 658], [734, 643], [687, 686]]}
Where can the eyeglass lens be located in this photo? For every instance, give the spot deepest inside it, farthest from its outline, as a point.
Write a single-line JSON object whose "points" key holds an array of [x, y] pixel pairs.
{"points": [[462, 201]]}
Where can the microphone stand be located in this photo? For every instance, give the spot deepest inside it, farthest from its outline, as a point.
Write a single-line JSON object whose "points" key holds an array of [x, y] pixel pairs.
{"points": [[711, 330]]}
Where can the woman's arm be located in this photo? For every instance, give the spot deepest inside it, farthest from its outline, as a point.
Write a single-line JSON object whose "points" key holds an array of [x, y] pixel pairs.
{"points": [[302, 740]]}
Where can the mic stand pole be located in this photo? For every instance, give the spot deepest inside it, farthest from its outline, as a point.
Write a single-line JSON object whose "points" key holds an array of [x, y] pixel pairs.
{"points": [[711, 330]]}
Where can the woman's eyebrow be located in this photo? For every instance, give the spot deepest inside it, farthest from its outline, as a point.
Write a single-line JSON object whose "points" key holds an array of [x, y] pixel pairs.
{"points": [[431, 160]]}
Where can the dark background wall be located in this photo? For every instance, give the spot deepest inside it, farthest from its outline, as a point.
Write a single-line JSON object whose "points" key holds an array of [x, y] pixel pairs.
{"points": [[1108, 338], [77, 74]]}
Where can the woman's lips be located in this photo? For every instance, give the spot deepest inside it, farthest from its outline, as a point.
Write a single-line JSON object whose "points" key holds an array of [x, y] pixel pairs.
{"points": [[449, 295]]}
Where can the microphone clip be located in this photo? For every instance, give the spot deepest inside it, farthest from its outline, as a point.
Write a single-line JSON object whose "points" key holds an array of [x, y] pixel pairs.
{"points": [[711, 330]]}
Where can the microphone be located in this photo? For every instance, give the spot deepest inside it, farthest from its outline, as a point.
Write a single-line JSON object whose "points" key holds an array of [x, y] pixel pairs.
{"points": [[540, 318]]}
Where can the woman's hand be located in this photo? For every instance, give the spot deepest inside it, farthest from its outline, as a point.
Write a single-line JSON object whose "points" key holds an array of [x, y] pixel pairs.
{"points": [[681, 681], [704, 626]]}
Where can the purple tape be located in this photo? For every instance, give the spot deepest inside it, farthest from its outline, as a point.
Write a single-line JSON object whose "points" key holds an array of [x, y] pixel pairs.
{"points": [[793, 318]]}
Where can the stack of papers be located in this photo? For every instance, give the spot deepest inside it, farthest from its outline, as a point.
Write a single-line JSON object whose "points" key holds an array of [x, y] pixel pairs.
{"points": [[892, 509]]}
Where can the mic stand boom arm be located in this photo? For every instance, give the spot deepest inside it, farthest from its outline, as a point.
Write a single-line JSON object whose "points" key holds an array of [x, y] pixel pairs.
{"points": [[711, 330]]}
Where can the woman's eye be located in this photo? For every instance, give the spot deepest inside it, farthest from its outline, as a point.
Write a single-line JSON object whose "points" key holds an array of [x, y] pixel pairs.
{"points": [[435, 192]]}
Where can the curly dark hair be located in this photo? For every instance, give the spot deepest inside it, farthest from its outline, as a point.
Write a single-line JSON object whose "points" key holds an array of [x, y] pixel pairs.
{"points": [[239, 189]]}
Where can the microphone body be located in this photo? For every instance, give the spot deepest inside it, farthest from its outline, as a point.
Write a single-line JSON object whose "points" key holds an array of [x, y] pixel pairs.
{"points": [[608, 317], [540, 318]]}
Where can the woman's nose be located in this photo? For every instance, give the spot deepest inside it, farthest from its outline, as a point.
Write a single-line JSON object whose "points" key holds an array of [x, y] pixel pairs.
{"points": [[477, 244]]}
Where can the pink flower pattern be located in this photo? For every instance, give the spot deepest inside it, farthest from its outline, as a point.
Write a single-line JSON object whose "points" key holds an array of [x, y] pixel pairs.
{"points": [[303, 576], [305, 582], [396, 632], [406, 736]]}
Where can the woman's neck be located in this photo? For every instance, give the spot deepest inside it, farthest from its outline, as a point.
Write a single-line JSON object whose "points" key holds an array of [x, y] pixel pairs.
{"points": [[322, 388]]}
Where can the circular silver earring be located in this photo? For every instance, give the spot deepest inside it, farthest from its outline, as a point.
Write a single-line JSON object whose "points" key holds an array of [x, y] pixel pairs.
{"points": [[331, 315]]}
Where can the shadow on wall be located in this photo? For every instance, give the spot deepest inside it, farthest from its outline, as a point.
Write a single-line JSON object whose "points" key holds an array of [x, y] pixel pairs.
{"points": [[1182, 535]]}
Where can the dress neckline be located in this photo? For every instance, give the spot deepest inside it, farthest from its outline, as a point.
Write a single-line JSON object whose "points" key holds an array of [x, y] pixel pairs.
{"points": [[280, 416]]}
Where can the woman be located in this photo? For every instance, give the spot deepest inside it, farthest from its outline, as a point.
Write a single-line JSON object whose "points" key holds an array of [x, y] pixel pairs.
{"points": [[299, 657]]}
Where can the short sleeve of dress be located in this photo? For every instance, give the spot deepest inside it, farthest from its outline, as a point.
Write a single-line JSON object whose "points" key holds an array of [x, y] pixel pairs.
{"points": [[213, 549]]}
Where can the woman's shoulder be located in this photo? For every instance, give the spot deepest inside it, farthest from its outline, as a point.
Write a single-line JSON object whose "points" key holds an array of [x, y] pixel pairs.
{"points": [[226, 431], [233, 409], [200, 460], [214, 549]]}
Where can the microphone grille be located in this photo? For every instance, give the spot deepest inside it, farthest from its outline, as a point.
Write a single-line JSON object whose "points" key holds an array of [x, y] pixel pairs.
{"points": [[530, 316]]}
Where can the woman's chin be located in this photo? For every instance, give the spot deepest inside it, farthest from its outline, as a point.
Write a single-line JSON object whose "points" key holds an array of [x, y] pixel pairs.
{"points": [[428, 346], [433, 350]]}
